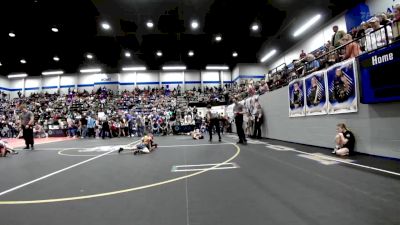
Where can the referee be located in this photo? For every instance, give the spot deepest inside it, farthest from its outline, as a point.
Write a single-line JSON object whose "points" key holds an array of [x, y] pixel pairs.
{"points": [[238, 111], [213, 120], [27, 120]]}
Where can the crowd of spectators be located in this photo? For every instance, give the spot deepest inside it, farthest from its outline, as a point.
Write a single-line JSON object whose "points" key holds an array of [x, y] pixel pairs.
{"points": [[247, 88], [107, 113], [375, 33]]}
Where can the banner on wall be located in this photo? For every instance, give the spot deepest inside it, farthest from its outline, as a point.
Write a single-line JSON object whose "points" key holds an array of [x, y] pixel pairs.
{"points": [[296, 98], [316, 101], [103, 78], [342, 87]]}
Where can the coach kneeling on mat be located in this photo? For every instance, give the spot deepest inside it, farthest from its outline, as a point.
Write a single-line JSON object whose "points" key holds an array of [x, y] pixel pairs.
{"points": [[344, 141]]}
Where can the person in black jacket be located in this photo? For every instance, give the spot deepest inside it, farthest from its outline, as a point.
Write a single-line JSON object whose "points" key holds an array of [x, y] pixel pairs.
{"points": [[345, 141], [105, 128], [213, 120]]}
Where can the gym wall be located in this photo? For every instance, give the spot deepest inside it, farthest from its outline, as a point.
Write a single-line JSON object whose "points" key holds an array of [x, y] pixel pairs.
{"points": [[375, 126]]}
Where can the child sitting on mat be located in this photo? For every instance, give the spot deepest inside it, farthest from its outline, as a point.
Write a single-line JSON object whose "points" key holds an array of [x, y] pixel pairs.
{"points": [[6, 149], [196, 134]]}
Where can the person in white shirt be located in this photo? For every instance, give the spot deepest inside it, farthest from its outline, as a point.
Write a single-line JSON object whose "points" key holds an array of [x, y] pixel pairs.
{"points": [[377, 36]]}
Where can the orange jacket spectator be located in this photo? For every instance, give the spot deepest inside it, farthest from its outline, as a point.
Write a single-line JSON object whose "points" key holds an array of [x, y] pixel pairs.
{"points": [[352, 50]]}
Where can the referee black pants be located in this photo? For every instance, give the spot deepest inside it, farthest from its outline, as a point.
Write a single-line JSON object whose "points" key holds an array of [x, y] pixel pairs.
{"points": [[239, 128], [28, 135], [214, 122]]}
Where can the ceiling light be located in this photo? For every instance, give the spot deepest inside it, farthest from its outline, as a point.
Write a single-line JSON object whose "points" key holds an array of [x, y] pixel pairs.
{"points": [[105, 26], [174, 68], [92, 70], [217, 68], [89, 56], [54, 29], [255, 27], [1, 64], [234, 54], [269, 55], [11, 34], [150, 24], [23, 61], [307, 25], [218, 38], [56, 72], [17, 75], [55, 58], [127, 54], [159, 53], [134, 68], [194, 24], [191, 53]]}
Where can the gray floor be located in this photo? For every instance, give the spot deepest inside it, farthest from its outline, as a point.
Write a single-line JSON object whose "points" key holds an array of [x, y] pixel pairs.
{"points": [[269, 187]]}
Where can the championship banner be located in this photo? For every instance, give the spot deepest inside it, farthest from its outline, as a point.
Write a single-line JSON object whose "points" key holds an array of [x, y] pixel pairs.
{"points": [[342, 87], [296, 98], [316, 101]]}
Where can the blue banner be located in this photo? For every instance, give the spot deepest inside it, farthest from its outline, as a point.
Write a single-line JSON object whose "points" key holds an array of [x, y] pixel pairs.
{"points": [[316, 103], [356, 15], [379, 77], [342, 87], [296, 98]]}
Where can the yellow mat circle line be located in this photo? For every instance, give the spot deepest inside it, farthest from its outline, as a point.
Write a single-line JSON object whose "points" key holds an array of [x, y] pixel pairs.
{"points": [[120, 191]]}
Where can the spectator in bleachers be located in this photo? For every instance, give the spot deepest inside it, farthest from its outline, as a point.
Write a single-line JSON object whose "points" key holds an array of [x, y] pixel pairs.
{"points": [[163, 129], [337, 36], [91, 124], [140, 125], [302, 54], [71, 127], [251, 89], [396, 13], [377, 37], [332, 57], [263, 87], [383, 20], [83, 126], [312, 64], [396, 22], [353, 32], [38, 131], [352, 50], [361, 31], [156, 128], [5, 132]]}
